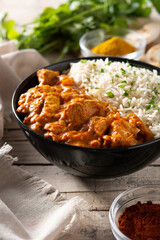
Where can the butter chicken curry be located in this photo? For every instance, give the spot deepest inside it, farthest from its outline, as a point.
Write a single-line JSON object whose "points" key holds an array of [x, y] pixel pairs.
{"points": [[58, 109]]}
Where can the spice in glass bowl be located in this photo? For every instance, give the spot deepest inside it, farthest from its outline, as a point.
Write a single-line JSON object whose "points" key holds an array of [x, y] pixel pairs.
{"points": [[141, 221], [114, 46]]}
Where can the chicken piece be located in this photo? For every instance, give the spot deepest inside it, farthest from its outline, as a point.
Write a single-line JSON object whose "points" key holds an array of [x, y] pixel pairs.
{"points": [[51, 104], [105, 109], [73, 114], [36, 105], [122, 134], [77, 138], [90, 108], [98, 125], [67, 81], [95, 143], [79, 111], [144, 132], [131, 127], [36, 127], [101, 124], [56, 127], [48, 89], [120, 141], [28, 100], [47, 77], [34, 97], [53, 136], [50, 107], [107, 140], [71, 93]]}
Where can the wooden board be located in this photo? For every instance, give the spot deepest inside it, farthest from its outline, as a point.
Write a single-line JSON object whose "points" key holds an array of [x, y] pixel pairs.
{"points": [[66, 182]]}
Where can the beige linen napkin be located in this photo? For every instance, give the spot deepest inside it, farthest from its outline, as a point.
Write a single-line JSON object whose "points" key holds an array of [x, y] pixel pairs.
{"points": [[30, 208]]}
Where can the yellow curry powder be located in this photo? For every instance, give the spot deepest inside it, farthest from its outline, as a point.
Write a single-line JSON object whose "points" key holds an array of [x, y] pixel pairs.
{"points": [[115, 46]]}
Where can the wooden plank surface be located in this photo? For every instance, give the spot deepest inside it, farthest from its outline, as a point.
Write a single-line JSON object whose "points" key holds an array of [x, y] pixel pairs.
{"points": [[66, 182], [98, 227]]}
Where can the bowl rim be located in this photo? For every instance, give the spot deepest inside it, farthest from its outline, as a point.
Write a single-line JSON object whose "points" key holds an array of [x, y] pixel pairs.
{"points": [[74, 60], [130, 189], [129, 55]]}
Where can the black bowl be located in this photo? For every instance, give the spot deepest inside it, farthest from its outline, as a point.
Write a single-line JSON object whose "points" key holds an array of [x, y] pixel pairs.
{"points": [[88, 162]]}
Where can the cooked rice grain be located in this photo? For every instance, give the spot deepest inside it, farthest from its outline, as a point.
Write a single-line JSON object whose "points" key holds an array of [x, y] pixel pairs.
{"points": [[128, 88]]}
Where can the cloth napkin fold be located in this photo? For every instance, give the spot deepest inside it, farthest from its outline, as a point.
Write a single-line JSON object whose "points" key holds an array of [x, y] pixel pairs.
{"points": [[30, 208]]}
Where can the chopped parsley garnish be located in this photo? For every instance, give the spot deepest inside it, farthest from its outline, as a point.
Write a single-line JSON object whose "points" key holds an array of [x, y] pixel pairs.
{"points": [[117, 75], [128, 64], [125, 94], [153, 97], [132, 83], [124, 81], [134, 72], [102, 70], [88, 79], [152, 102], [123, 71], [109, 63], [148, 107], [122, 85], [155, 90], [156, 107], [96, 87], [110, 94], [129, 100], [94, 64], [83, 60]]}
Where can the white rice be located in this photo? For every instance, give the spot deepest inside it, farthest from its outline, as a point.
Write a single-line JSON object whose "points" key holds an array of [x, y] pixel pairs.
{"points": [[129, 89]]}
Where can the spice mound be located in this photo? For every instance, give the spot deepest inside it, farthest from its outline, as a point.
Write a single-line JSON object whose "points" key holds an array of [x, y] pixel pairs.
{"points": [[141, 221], [114, 46]]}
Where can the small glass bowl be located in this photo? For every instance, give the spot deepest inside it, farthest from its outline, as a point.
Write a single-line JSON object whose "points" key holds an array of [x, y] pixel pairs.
{"points": [[95, 37], [130, 197]]}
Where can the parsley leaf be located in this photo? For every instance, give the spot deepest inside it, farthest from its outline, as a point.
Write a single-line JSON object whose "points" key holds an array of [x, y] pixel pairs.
{"points": [[102, 70], [83, 60], [148, 107], [155, 90], [110, 94], [109, 63], [123, 71], [122, 85]]}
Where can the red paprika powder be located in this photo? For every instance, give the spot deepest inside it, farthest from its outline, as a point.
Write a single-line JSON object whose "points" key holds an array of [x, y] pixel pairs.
{"points": [[141, 221]]}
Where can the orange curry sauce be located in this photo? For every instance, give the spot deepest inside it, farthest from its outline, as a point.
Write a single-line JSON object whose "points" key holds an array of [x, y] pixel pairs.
{"points": [[58, 109]]}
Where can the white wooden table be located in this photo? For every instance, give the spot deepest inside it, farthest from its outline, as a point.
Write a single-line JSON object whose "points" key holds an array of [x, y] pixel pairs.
{"points": [[99, 193]]}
